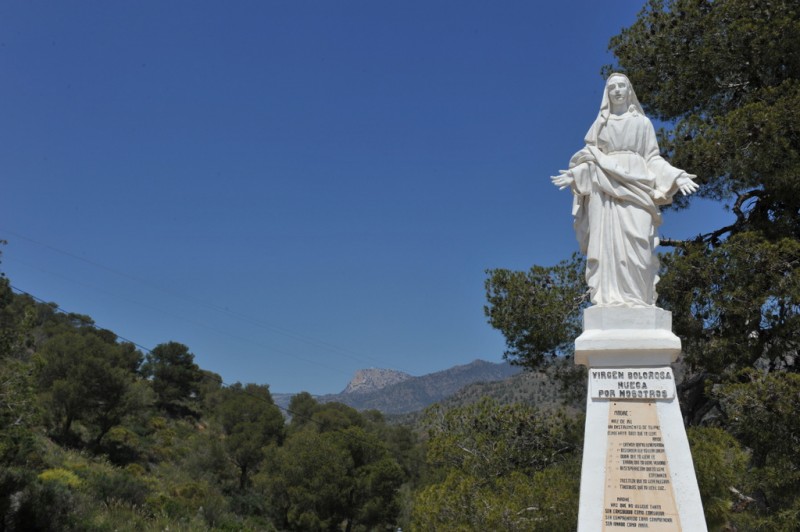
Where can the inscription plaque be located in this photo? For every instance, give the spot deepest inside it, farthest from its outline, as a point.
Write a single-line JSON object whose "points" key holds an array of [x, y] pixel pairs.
{"points": [[632, 383], [638, 492]]}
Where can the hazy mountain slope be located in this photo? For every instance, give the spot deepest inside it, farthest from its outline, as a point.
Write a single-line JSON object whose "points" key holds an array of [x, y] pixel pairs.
{"points": [[374, 379], [415, 393], [527, 387]]}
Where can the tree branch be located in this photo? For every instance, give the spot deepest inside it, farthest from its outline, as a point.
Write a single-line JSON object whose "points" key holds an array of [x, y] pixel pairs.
{"points": [[713, 237]]}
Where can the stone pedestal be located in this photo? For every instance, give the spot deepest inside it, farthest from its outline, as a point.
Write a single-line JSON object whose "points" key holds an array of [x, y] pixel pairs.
{"points": [[637, 467]]}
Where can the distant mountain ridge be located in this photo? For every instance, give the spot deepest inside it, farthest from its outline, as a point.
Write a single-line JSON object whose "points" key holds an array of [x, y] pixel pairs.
{"points": [[374, 379], [532, 388], [408, 393]]}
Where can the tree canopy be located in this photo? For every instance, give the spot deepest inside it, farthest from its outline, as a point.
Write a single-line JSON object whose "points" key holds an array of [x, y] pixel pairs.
{"points": [[176, 377], [500, 468], [91, 439]]}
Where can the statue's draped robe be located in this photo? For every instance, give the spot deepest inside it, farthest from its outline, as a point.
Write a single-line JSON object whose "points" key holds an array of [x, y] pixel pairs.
{"points": [[620, 179]]}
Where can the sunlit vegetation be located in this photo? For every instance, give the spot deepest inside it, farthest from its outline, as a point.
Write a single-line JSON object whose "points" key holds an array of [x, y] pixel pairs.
{"points": [[99, 434]]}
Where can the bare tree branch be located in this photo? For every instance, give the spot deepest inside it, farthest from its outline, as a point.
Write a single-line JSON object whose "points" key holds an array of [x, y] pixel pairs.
{"points": [[714, 237]]}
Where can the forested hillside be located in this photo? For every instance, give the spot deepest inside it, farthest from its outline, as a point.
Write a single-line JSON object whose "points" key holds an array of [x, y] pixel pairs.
{"points": [[97, 433]]}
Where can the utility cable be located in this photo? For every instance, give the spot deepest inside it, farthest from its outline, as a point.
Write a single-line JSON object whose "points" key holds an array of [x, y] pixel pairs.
{"points": [[215, 378], [198, 324], [196, 301]]}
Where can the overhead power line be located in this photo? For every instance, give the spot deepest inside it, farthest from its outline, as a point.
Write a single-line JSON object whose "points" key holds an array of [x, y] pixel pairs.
{"points": [[215, 378], [196, 323], [342, 351]]}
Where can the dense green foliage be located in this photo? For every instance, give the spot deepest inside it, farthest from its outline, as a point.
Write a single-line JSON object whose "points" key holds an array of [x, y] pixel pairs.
{"points": [[85, 377], [731, 87], [538, 311], [725, 78], [95, 435], [175, 377], [94, 438], [335, 467], [500, 468]]}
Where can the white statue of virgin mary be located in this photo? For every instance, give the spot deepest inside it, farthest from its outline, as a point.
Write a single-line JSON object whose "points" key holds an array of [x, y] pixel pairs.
{"points": [[619, 179]]}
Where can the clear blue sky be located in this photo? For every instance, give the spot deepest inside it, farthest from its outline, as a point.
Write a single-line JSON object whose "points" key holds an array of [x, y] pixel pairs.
{"points": [[295, 189]]}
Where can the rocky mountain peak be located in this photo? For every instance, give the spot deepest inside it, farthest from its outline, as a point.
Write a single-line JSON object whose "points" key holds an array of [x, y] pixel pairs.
{"points": [[373, 379]]}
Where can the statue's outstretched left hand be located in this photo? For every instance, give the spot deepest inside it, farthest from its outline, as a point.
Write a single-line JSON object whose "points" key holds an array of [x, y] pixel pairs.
{"points": [[686, 183]]}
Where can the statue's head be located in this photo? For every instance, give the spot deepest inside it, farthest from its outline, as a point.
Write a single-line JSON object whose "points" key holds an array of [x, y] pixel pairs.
{"points": [[618, 88], [619, 93]]}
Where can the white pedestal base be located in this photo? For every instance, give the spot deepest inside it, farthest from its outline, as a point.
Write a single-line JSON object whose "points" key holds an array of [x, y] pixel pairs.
{"points": [[637, 467]]}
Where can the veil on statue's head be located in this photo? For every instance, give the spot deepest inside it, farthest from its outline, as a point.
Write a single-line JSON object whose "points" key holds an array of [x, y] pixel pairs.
{"points": [[633, 101], [605, 110]]}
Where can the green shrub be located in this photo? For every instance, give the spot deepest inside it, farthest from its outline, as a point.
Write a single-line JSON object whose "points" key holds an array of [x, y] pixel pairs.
{"points": [[42, 506], [121, 445], [60, 476], [118, 485]]}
